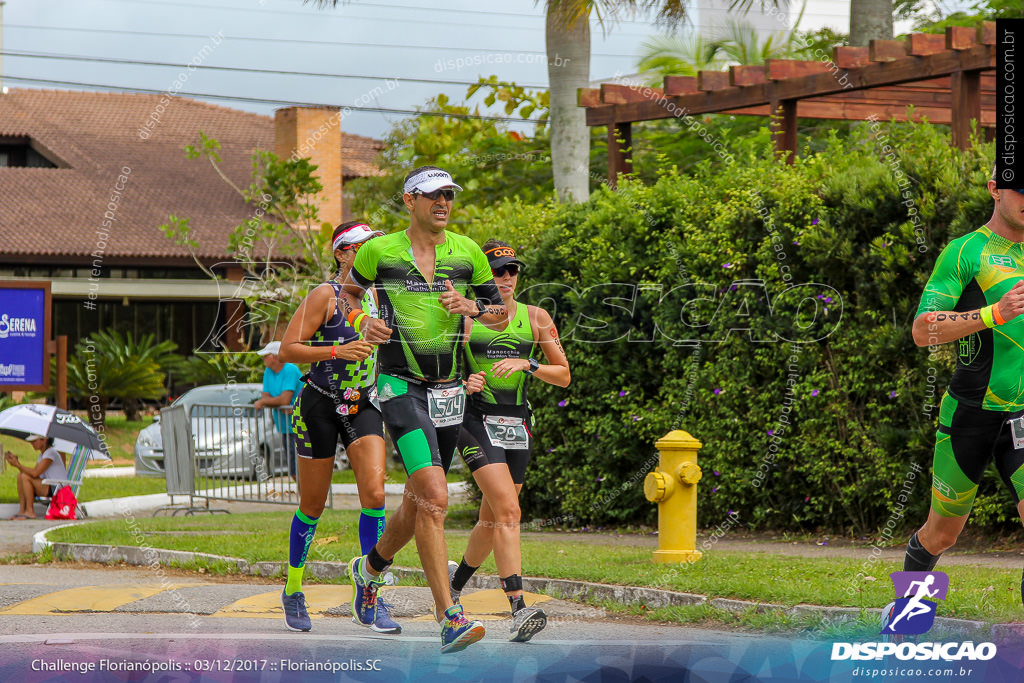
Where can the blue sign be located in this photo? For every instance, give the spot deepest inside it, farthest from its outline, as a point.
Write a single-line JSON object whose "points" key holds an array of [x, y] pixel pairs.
{"points": [[23, 317]]}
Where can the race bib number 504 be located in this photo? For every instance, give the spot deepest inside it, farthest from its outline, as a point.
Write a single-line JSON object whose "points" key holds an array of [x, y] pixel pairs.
{"points": [[446, 405]]}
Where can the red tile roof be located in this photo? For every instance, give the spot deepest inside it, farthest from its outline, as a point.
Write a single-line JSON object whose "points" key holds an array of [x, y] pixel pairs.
{"points": [[53, 215]]}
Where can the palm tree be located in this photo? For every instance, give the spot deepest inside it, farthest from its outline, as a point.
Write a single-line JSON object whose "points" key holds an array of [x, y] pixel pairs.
{"points": [[567, 32], [567, 38], [677, 55], [736, 42], [869, 19], [111, 365], [740, 43]]}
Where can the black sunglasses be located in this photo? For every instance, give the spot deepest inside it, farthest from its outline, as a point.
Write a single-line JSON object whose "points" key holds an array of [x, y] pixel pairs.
{"points": [[512, 269], [448, 195]]}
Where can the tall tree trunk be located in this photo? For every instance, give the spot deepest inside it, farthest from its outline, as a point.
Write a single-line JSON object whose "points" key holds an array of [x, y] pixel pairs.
{"points": [[568, 53], [132, 409], [870, 19]]}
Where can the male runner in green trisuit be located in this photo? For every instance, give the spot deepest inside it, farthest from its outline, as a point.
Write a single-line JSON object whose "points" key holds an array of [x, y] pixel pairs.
{"points": [[974, 297], [421, 275]]}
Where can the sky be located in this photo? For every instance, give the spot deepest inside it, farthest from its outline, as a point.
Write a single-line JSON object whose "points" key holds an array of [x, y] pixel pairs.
{"points": [[389, 42]]}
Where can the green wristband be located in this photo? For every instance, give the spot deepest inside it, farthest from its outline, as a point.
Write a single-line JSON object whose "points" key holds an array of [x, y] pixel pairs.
{"points": [[986, 316]]}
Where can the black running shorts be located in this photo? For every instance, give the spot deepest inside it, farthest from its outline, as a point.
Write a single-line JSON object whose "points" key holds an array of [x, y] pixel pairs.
{"points": [[477, 450], [318, 425]]}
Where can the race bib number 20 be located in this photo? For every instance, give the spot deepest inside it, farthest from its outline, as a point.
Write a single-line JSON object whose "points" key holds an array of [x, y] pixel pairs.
{"points": [[446, 406], [1017, 430], [507, 432]]}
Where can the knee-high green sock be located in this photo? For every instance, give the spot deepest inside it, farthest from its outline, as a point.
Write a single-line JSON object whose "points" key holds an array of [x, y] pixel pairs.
{"points": [[299, 540]]}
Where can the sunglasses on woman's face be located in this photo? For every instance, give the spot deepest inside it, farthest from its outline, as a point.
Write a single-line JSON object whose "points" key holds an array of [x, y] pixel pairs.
{"points": [[512, 269], [351, 247], [448, 195]]}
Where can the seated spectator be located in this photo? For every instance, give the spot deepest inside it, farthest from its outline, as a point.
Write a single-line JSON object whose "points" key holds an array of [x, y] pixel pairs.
{"points": [[30, 480]]}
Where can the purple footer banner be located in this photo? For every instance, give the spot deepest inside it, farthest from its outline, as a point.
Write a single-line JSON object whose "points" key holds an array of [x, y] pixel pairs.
{"points": [[716, 658]]}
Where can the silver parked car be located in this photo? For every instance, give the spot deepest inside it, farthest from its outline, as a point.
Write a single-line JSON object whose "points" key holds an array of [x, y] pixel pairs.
{"points": [[232, 439]]}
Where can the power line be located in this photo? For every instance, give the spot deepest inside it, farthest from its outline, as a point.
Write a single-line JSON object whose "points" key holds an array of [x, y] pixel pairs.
{"points": [[316, 15], [114, 60], [261, 100], [517, 15], [303, 41]]}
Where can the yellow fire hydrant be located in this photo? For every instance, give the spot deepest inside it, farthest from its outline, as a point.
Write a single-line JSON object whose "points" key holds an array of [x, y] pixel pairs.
{"points": [[673, 486]]}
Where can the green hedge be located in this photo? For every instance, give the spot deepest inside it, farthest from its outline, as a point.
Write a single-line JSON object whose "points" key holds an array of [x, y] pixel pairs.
{"points": [[835, 422]]}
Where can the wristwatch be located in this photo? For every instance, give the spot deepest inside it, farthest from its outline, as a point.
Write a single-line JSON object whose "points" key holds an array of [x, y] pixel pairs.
{"points": [[480, 308], [533, 367]]}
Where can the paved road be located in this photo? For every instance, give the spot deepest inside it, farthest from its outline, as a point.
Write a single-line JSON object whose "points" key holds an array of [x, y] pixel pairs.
{"points": [[65, 619]]}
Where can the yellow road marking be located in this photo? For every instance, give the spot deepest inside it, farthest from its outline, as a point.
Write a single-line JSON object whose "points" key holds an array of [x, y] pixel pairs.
{"points": [[486, 605], [493, 601], [319, 599], [490, 605], [90, 598]]}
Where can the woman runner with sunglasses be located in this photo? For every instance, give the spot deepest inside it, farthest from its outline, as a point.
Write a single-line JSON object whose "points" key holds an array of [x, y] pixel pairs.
{"points": [[336, 402], [496, 431]]}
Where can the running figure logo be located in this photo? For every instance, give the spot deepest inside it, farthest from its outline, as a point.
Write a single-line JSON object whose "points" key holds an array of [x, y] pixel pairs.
{"points": [[914, 612]]}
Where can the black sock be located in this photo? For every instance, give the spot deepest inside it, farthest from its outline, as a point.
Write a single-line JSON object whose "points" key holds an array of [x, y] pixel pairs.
{"points": [[512, 583], [918, 559], [517, 603], [462, 575], [375, 560]]}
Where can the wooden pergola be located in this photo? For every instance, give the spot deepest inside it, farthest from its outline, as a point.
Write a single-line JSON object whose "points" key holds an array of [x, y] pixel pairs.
{"points": [[948, 79]]}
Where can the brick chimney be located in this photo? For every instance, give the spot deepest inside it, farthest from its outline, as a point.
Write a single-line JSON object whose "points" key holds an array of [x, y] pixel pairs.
{"points": [[314, 132]]}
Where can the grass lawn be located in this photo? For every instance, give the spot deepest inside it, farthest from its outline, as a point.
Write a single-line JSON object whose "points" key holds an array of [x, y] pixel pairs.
{"points": [[92, 489], [986, 594]]}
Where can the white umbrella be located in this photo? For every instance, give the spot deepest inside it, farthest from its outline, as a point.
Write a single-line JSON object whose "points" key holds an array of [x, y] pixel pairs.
{"points": [[66, 429]]}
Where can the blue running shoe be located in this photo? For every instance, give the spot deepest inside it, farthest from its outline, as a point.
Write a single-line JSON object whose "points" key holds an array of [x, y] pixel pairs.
{"points": [[383, 623], [295, 614], [364, 594], [457, 632], [456, 595]]}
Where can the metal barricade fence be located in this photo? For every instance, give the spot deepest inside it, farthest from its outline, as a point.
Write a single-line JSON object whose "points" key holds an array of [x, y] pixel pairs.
{"points": [[231, 453], [176, 437]]}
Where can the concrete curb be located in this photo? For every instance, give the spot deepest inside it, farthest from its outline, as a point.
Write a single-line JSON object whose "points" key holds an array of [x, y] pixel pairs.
{"points": [[107, 472], [39, 541], [138, 556], [559, 588]]}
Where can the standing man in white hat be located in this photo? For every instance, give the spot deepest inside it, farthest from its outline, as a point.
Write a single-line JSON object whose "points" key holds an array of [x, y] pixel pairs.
{"points": [[281, 384]]}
